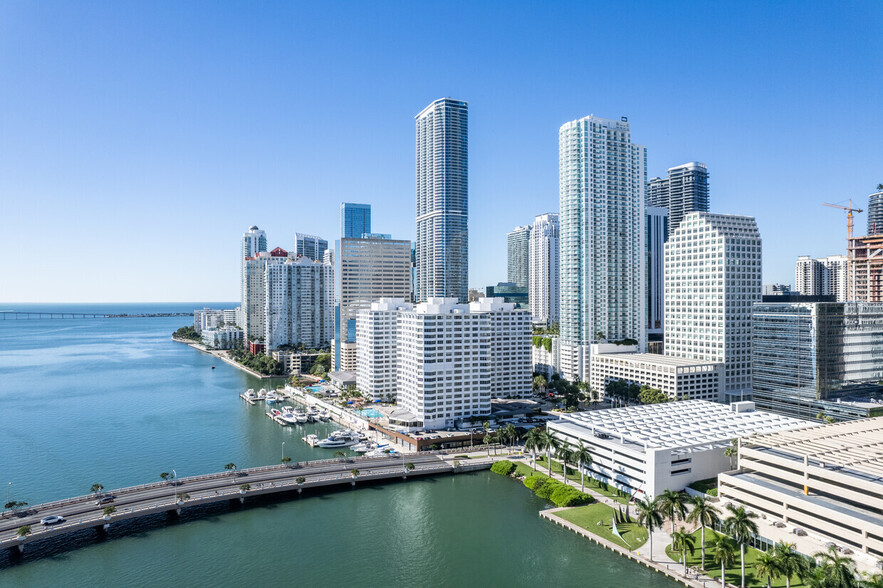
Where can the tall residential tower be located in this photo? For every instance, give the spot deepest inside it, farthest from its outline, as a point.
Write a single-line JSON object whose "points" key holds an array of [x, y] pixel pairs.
{"points": [[442, 200], [517, 259], [544, 273], [684, 190], [602, 178]]}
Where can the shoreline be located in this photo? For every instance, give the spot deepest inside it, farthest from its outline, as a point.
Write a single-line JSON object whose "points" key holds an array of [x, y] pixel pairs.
{"points": [[223, 357]]}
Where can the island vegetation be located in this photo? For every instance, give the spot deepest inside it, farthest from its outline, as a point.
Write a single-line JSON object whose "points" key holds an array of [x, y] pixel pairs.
{"points": [[261, 363], [188, 333]]}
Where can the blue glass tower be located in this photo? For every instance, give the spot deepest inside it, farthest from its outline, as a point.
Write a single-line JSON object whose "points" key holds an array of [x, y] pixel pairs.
{"points": [[355, 220]]}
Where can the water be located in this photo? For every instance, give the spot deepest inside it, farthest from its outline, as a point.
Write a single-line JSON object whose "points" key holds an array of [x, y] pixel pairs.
{"points": [[370, 413], [115, 401]]}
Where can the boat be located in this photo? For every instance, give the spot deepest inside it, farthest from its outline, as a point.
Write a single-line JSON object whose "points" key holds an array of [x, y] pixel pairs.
{"points": [[213, 367], [339, 439], [300, 415], [325, 416], [364, 447], [288, 415], [275, 412], [272, 398], [250, 395], [311, 440], [262, 394]]}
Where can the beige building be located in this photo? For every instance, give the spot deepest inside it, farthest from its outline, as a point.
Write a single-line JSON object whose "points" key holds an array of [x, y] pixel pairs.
{"points": [[676, 377], [825, 482]]}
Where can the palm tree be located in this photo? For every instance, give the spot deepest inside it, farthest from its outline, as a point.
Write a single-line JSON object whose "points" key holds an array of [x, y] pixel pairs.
{"points": [[300, 480], [245, 487], [682, 542], [183, 496], [648, 516], [565, 455], [231, 467], [732, 451], [96, 488], [165, 476], [790, 562], [355, 473], [509, 433], [339, 454], [550, 443], [723, 550], [532, 444], [486, 425], [839, 572], [705, 515], [109, 510], [583, 459], [767, 566], [409, 467], [673, 505], [488, 439], [286, 460], [740, 527], [23, 531], [872, 580]]}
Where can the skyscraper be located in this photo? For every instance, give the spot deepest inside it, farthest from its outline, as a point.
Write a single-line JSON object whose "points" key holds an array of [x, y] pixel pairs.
{"points": [[826, 276], [355, 220], [253, 242], [442, 200], [684, 190], [712, 279], [310, 246], [875, 213], [602, 177], [518, 261], [544, 269], [299, 303], [657, 234]]}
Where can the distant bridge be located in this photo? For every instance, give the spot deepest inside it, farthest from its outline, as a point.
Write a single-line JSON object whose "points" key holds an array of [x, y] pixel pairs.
{"points": [[82, 512], [34, 315]]}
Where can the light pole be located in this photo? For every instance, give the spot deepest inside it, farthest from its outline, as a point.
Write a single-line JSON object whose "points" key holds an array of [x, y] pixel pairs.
{"points": [[283, 452], [174, 486], [7, 491]]}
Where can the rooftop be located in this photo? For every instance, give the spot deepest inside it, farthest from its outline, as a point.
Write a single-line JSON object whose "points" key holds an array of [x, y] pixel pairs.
{"points": [[655, 359], [674, 425]]}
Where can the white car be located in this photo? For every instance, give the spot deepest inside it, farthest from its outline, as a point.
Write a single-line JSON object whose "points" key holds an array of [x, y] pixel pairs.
{"points": [[51, 520]]}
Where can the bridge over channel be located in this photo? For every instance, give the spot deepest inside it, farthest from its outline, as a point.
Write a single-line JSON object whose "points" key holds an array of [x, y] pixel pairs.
{"points": [[82, 512], [36, 315]]}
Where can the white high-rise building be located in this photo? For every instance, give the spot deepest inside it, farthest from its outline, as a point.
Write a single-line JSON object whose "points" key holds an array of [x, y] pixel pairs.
{"points": [[544, 272], [299, 303], [825, 276], [254, 292], [443, 360], [253, 242], [518, 256], [602, 178], [712, 279], [442, 200]]}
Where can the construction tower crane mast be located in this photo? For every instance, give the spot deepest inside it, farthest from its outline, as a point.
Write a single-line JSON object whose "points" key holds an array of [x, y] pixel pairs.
{"points": [[849, 210]]}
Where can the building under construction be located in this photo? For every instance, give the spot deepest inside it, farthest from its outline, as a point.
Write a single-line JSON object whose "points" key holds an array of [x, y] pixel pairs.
{"points": [[866, 268]]}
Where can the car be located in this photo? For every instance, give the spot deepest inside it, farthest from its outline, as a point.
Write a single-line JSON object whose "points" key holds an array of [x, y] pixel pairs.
{"points": [[105, 499], [52, 520]]}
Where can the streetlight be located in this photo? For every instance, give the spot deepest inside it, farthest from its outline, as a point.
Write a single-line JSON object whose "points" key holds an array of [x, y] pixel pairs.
{"points": [[174, 486], [283, 451], [7, 491]]}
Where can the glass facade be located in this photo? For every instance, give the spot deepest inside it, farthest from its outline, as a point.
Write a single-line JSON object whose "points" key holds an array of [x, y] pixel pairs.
{"points": [[355, 220]]}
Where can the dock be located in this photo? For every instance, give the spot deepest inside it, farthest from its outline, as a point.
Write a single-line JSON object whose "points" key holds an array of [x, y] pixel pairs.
{"points": [[247, 399], [277, 419]]}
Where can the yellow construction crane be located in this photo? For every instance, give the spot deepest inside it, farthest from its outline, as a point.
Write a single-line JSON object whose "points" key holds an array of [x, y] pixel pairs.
{"points": [[849, 210]]}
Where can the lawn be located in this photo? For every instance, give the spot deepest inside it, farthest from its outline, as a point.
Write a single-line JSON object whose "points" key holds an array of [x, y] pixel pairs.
{"points": [[597, 519], [572, 474], [733, 573]]}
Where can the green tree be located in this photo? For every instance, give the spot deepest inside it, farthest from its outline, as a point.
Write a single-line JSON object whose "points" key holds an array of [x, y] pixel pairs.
{"points": [[766, 566], [837, 571], [355, 473], [649, 516], [732, 452], [673, 505], [532, 444], [740, 526], [165, 476], [109, 510], [231, 467], [583, 459], [340, 455], [182, 497], [682, 542], [409, 467], [23, 531], [245, 487], [300, 480], [703, 514], [550, 444], [286, 460], [539, 383], [723, 551], [96, 488], [790, 562], [510, 434]]}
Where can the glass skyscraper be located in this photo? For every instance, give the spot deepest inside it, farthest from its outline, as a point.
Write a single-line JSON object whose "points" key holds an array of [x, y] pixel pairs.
{"points": [[355, 220], [518, 262], [442, 200], [602, 177], [685, 190]]}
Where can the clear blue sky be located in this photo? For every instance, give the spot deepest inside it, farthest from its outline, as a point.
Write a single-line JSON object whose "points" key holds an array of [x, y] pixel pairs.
{"points": [[139, 140]]}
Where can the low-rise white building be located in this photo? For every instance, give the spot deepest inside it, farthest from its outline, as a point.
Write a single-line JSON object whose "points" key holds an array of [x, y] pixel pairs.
{"points": [[444, 361], [676, 377], [546, 356], [226, 337], [644, 450]]}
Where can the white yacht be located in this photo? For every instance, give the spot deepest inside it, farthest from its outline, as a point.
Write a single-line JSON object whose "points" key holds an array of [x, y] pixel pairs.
{"points": [[272, 398], [288, 415], [339, 439], [250, 395], [324, 415], [262, 394]]}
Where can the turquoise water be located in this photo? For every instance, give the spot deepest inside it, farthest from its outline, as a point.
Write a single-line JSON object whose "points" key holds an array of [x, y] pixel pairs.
{"points": [[370, 413], [314, 388], [115, 401]]}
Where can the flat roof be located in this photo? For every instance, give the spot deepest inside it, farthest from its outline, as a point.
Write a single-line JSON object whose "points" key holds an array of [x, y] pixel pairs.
{"points": [[853, 445], [657, 359], [674, 425]]}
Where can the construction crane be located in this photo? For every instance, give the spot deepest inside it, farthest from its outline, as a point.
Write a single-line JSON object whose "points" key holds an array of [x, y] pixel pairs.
{"points": [[849, 210]]}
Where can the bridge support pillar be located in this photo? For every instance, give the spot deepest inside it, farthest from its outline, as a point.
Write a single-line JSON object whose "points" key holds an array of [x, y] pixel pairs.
{"points": [[353, 483], [242, 500], [178, 511], [105, 527], [21, 547]]}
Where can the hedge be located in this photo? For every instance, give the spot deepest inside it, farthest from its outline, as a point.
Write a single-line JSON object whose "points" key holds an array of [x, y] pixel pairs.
{"points": [[534, 481], [548, 487], [504, 467], [570, 496]]}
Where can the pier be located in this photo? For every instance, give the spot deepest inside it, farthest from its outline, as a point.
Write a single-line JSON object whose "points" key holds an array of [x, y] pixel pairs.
{"points": [[37, 315], [82, 512]]}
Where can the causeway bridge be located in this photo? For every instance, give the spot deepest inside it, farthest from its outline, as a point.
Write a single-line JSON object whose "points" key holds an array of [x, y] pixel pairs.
{"points": [[35, 314], [82, 512]]}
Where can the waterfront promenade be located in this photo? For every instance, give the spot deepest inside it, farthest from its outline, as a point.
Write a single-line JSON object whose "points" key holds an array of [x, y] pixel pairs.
{"points": [[82, 512]]}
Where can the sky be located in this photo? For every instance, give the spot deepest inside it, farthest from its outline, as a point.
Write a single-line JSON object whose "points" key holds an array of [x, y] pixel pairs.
{"points": [[139, 140]]}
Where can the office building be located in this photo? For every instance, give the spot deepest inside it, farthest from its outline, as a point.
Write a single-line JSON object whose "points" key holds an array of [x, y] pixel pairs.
{"points": [[310, 246], [776, 290], [254, 288], [367, 270], [518, 247], [355, 220], [508, 292], [684, 190], [254, 241], [712, 279], [644, 450], [875, 213], [865, 271], [657, 235], [676, 377], [442, 200], [824, 357], [826, 276], [443, 360], [299, 304], [602, 177], [826, 481], [544, 275]]}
